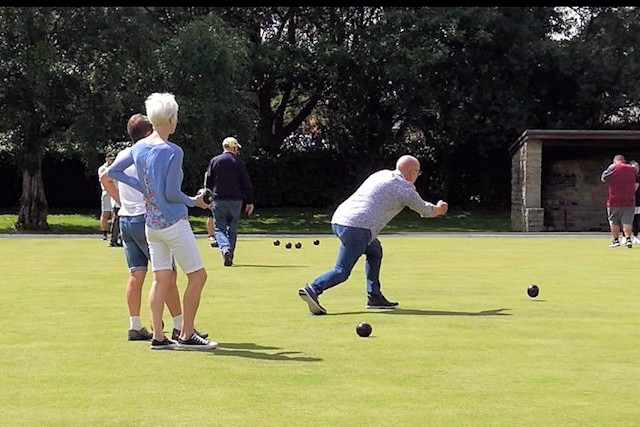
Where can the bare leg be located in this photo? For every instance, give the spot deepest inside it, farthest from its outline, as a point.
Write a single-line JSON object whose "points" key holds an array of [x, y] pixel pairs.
{"points": [[157, 296], [173, 296], [133, 291], [210, 230], [615, 231], [191, 301], [104, 221]]}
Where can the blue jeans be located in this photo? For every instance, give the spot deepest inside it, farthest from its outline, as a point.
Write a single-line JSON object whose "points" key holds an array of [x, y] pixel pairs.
{"points": [[227, 214], [134, 242], [354, 242]]}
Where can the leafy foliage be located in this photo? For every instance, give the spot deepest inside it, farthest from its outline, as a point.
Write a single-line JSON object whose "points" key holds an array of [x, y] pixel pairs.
{"points": [[354, 85]]}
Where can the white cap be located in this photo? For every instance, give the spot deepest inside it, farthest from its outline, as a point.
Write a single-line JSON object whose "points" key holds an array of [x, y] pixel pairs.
{"points": [[231, 142]]}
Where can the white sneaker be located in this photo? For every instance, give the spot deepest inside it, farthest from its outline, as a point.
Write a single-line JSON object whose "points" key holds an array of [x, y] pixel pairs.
{"points": [[635, 240]]}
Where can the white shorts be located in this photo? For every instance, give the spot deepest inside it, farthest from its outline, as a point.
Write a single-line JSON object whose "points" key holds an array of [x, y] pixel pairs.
{"points": [[176, 241], [105, 203]]}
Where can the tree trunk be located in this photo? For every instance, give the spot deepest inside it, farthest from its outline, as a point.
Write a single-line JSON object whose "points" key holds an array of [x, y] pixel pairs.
{"points": [[33, 202]]}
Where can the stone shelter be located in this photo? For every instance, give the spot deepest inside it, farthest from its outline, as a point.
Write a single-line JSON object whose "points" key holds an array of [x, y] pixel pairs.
{"points": [[555, 177]]}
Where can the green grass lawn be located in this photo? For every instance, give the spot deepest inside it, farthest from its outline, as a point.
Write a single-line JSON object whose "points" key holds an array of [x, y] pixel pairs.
{"points": [[466, 347]]}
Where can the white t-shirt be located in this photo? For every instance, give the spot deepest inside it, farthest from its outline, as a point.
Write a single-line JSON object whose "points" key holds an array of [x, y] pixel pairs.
{"points": [[131, 200]]}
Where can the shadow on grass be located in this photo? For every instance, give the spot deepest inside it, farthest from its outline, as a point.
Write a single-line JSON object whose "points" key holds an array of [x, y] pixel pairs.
{"points": [[402, 311], [268, 266], [254, 351]]}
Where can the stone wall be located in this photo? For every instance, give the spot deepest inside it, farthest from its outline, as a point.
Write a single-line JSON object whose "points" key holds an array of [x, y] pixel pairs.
{"points": [[526, 213], [573, 195]]}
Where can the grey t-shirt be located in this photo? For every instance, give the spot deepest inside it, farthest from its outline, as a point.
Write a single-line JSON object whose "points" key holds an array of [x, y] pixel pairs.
{"points": [[382, 196]]}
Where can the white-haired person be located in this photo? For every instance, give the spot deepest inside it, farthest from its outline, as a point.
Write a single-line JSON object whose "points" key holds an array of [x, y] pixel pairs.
{"points": [[136, 249], [158, 164], [358, 221], [228, 179]]}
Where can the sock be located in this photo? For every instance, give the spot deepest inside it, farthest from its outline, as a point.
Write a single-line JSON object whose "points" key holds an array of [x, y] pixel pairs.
{"points": [[135, 323], [177, 322]]}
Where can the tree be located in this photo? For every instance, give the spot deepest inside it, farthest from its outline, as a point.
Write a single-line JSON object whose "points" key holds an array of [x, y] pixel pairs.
{"points": [[594, 72], [69, 77], [205, 65], [463, 83]]}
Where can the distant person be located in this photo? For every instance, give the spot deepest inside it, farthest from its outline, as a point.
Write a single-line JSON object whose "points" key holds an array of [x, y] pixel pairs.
{"points": [[106, 210], [159, 175], [620, 178], [136, 249], [116, 236], [636, 217], [211, 231], [228, 178], [357, 223]]}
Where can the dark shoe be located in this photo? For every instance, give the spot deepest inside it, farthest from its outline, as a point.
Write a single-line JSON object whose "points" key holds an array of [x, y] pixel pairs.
{"points": [[628, 244], [104, 237], [141, 335], [309, 296], [165, 344], [175, 334], [196, 342], [380, 302], [213, 242], [228, 259], [614, 243]]}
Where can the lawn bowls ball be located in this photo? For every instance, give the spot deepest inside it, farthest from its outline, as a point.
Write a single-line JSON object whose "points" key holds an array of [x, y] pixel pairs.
{"points": [[364, 329], [208, 195], [288, 245], [533, 291], [298, 245], [316, 242], [276, 243]]}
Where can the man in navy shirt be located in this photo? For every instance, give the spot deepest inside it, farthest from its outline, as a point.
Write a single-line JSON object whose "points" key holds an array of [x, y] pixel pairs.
{"points": [[228, 179]]}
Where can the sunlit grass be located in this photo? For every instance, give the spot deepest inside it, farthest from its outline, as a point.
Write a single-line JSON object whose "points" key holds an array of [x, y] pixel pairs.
{"points": [[466, 347]]}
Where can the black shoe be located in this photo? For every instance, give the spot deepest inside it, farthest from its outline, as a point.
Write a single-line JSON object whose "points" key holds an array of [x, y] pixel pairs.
{"points": [[141, 335], [213, 242], [115, 245], [175, 334], [228, 259], [628, 244], [309, 296], [165, 344], [196, 342], [380, 302]]}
